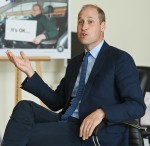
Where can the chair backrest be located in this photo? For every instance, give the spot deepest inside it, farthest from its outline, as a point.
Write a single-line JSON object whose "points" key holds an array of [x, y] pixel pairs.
{"points": [[145, 120], [135, 135], [143, 80]]}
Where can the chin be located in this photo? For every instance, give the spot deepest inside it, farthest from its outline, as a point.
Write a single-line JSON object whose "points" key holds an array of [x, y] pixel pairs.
{"points": [[83, 41]]}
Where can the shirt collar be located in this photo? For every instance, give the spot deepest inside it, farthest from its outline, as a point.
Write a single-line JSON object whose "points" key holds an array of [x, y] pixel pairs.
{"points": [[94, 52]]}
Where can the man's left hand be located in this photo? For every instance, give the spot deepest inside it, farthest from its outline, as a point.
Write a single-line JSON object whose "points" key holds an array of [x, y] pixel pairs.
{"points": [[90, 122], [39, 38]]}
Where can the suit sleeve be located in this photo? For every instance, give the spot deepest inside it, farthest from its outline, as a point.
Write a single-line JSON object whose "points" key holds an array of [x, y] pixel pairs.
{"points": [[53, 99], [128, 87]]}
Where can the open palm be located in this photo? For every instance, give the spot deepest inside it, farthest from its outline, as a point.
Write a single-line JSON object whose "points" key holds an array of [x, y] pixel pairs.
{"points": [[22, 63]]}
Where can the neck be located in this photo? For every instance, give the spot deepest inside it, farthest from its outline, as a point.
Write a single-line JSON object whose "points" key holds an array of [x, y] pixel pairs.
{"points": [[91, 46]]}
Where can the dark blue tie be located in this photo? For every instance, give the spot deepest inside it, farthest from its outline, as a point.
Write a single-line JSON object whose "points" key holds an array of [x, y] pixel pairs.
{"points": [[75, 100]]}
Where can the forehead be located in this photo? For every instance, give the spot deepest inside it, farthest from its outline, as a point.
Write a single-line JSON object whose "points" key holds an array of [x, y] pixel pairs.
{"points": [[88, 12], [36, 7]]}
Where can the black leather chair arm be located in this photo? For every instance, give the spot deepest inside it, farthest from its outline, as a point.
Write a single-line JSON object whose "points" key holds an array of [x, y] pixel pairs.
{"points": [[98, 127], [135, 133]]}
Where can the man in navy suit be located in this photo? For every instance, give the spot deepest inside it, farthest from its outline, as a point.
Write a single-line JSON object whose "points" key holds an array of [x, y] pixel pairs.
{"points": [[112, 93]]}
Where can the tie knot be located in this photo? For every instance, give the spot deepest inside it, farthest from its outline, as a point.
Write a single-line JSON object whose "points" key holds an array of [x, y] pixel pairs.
{"points": [[87, 54]]}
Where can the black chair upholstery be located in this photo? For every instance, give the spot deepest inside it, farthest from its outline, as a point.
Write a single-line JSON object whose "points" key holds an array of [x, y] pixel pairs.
{"points": [[135, 134], [146, 134], [135, 137], [143, 77]]}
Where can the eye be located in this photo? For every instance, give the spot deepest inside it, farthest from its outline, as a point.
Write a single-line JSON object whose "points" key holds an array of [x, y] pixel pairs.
{"points": [[80, 21], [90, 21]]}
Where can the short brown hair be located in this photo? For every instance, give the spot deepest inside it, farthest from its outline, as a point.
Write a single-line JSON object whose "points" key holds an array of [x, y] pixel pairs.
{"points": [[99, 10]]}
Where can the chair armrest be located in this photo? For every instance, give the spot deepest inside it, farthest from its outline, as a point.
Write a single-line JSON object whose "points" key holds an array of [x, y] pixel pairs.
{"points": [[146, 133], [98, 127], [133, 123]]}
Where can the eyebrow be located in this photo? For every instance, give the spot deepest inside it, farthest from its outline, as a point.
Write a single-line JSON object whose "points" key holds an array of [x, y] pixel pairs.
{"points": [[87, 17]]}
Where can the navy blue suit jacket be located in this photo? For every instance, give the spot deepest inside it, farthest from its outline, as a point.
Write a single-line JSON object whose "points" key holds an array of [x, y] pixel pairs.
{"points": [[113, 85]]}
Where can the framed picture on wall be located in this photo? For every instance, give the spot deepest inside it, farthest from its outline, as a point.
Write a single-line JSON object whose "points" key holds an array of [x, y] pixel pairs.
{"points": [[44, 32]]}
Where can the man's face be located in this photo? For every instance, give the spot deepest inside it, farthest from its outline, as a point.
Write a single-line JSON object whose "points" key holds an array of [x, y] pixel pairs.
{"points": [[36, 11], [89, 29]]}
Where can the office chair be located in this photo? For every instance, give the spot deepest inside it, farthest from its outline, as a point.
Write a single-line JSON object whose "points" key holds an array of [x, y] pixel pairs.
{"points": [[135, 130], [146, 134]]}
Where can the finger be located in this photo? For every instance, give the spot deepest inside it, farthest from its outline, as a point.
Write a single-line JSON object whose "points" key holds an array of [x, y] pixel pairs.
{"points": [[34, 40], [81, 129], [86, 129], [92, 129], [23, 55], [37, 42], [15, 61], [10, 55]]}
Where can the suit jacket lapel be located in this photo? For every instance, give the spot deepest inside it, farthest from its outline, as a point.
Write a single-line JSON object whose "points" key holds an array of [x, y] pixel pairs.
{"points": [[76, 67], [98, 65]]}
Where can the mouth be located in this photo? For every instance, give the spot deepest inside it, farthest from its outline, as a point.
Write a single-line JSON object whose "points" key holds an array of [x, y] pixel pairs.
{"points": [[83, 35]]}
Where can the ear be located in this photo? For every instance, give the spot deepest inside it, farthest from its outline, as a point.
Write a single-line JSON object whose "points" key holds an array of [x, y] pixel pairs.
{"points": [[103, 25]]}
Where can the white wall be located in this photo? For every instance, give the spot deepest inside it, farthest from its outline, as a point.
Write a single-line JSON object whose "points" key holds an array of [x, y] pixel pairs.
{"points": [[128, 23]]}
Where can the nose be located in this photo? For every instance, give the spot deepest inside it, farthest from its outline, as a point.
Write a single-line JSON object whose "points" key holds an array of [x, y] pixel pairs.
{"points": [[84, 26]]}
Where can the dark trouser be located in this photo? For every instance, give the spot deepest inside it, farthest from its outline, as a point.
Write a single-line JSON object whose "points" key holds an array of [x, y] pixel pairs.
{"points": [[33, 125]]}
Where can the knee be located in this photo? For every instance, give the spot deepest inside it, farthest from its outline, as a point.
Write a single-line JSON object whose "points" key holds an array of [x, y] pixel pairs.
{"points": [[23, 111], [24, 103], [22, 106]]}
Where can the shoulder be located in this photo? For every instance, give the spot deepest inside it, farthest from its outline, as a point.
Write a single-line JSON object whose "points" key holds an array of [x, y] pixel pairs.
{"points": [[122, 60], [117, 54], [42, 17]]}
